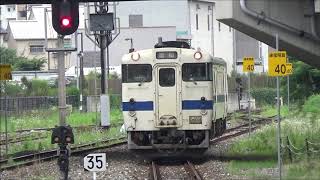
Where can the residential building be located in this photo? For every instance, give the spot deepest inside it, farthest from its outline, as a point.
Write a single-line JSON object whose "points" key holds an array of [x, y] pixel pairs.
{"points": [[195, 22], [2, 35], [27, 37], [141, 37], [12, 12]]}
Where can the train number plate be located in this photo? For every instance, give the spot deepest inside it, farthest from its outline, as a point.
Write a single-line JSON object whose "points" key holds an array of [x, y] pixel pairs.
{"points": [[195, 119]]}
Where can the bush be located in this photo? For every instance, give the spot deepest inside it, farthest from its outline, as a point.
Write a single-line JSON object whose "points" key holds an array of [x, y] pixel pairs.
{"points": [[73, 94], [73, 91], [115, 101], [39, 87], [264, 96], [13, 89], [312, 105]]}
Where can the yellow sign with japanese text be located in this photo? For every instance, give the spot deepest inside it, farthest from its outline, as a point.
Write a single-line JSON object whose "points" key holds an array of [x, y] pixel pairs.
{"points": [[277, 63], [248, 64], [5, 72], [289, 69]]}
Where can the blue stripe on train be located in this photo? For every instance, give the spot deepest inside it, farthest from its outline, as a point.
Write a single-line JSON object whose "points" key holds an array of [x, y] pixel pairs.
{"points": [[137, 106], [196, 104], [148, 105]]}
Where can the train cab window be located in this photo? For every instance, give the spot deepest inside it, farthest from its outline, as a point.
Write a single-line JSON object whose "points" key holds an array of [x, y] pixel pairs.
{"points": [[197, 72], [136, 73], [167, 77]]}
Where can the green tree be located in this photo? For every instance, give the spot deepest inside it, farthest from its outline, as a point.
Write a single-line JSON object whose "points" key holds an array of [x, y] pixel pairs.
{"points": [[19, 63], [304, 82]]}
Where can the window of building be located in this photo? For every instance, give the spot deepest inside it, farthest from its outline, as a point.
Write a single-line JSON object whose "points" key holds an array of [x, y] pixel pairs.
{"points": [[229, 29], [197, 21], [219, 26], [135, 20], [9, 9], [136, 73], [36, 48]]}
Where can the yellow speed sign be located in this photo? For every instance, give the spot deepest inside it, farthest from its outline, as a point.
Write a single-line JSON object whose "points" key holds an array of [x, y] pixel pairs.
{"points": [[277, 63], [5, 72], [248, 64], [289, 68]]}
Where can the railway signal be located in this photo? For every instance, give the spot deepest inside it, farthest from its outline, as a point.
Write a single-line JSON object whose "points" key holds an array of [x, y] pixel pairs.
{"points": [[65, 16]]}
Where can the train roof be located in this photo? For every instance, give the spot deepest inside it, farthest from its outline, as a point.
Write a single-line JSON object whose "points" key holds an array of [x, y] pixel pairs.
{"points": [[183, 52]]}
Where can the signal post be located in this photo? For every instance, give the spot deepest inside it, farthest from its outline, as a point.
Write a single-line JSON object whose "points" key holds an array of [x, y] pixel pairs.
{"points": [[248, 66], [65, 21], [279, 67]]}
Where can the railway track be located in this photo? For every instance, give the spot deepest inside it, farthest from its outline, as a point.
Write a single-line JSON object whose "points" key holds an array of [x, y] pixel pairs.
{"points": [[84, 127], [29, 159], [32, 137], [189, 168], [13, 162], [242, 129]]}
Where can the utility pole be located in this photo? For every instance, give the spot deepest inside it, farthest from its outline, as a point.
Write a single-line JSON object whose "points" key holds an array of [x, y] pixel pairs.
{"points": [[81, 78], [104, 43], [61, 83], [278, 118]]}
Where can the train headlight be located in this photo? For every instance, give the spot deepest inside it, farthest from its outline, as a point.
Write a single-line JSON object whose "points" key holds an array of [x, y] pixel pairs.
{"points": [[135, 56], [197, 55]]}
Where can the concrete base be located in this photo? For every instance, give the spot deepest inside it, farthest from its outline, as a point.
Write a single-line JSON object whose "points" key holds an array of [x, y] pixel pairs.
{"points": [[105, 110]]}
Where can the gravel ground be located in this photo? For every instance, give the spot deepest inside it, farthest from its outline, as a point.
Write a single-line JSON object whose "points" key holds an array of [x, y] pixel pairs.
{"points": [[123, 164]]}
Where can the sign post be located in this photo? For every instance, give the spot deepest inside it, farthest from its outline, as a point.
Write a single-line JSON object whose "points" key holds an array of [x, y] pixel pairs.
{"points": [[248, 66], [5, 74], [95, 163], [278, 66]]}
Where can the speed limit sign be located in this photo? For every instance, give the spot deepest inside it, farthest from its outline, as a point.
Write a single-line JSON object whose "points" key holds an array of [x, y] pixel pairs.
{"points": [[95, 162]]}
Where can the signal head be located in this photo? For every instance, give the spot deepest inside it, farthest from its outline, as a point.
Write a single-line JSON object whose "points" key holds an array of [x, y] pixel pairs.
{"points": [[65, 16]]}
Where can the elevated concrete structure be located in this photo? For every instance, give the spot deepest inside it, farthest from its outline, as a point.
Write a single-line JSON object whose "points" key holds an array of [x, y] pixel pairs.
{"points": [[297, 23]]}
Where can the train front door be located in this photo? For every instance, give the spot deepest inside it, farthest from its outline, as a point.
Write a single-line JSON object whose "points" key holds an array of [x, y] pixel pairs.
{"points": [[167, 96]]}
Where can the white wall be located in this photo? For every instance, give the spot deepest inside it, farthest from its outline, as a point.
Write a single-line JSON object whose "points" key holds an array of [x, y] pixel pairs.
{"points": [[202, 37], [6, 14], [224, 43]]}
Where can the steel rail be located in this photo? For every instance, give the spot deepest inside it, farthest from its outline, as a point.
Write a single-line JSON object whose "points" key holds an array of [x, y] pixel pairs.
{"points": [[154, 171], [51, 154], [49, 129], [192, 171]]}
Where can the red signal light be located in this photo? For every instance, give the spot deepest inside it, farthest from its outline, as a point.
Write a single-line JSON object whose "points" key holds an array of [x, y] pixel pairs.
{"points": [[66, 22]]}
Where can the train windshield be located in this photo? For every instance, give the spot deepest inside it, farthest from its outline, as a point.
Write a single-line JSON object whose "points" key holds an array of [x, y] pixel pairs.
{"points": [[136, 73], [197, 72]]}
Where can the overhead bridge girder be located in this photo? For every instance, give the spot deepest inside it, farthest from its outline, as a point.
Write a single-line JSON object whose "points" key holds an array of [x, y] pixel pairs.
{"points": [[297, 23], [50, 1]]}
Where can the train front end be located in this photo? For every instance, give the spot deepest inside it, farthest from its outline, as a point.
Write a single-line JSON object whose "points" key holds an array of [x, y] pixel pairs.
{"points": [[167, 99]]}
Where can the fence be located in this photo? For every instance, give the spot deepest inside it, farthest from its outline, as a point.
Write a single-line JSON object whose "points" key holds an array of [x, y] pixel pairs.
{"points": [[93, 102], [22, 104], [309, 149]]}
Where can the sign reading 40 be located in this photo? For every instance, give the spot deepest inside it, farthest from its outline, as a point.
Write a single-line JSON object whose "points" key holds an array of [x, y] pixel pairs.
{"points": [[278, 65]]}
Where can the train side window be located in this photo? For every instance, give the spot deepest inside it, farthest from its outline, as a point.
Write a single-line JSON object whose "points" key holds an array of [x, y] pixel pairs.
{"points": [[136, 73], [197, 72], [167, 77]]}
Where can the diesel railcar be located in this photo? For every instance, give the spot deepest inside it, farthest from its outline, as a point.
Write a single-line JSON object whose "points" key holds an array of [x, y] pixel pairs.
{"points": [[173, 97]]}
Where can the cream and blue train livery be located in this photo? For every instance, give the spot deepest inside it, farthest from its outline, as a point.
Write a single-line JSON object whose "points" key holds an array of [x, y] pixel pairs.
{"points": [[173, 97]]}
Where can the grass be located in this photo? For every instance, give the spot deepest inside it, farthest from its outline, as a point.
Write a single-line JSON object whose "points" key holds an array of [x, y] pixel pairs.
{"points": [[50, 118], [268, 111], [297, 126], [81, 137], [250, 168], [303, 170]]}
